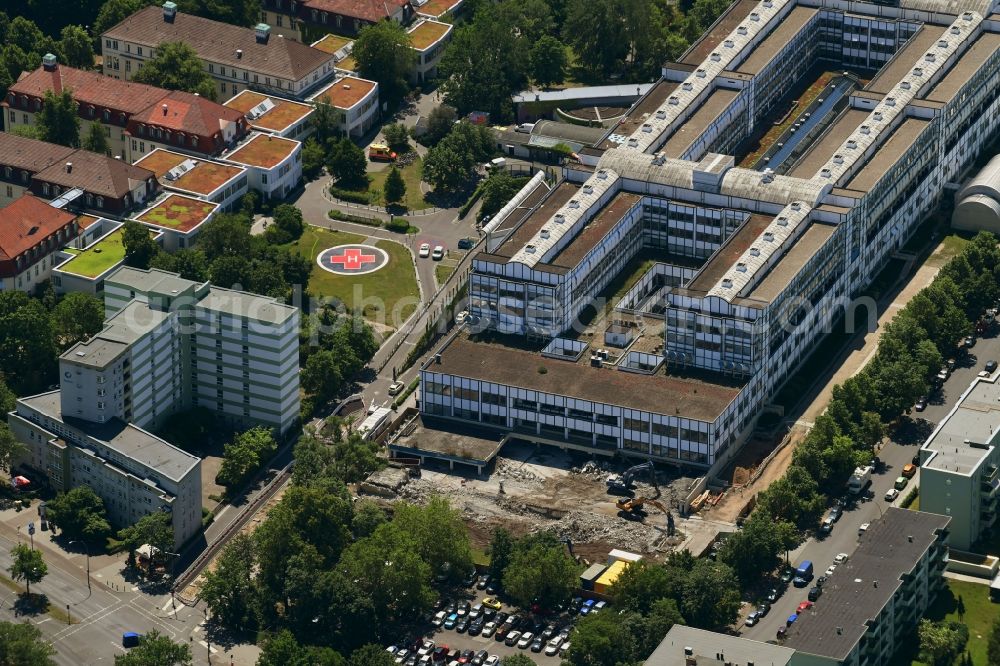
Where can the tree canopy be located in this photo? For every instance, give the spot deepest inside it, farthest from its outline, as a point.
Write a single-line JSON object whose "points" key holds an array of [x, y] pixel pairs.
{"points": [[22, 644], [382, 51], [176, 66], [540, 572], [155, 649], [27, 565], [80, 514]]}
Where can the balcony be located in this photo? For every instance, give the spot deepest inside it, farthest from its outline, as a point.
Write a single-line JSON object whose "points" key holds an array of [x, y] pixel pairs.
{"points": [[991, 473], [989, 488]]}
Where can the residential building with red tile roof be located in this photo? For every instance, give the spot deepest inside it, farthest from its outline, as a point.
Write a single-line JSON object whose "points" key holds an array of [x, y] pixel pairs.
{"points": [[237, 58], [131, 113], [31, 234], [308, 20]]}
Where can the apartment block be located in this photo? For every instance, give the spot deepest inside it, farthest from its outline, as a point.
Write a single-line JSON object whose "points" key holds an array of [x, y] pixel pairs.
{"points": [[960, 464], [759, 243], [356, 102], [273, 164], [236, 58]]}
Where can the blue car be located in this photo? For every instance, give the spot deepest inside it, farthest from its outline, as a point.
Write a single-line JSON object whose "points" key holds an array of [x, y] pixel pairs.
{"points": [[587, 606], [130, 639], [450, 621]]}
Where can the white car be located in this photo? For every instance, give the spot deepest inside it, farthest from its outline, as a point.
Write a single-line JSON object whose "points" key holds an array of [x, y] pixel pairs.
{"points": [[864, 528], [830, 569], [488, 629], [552, 647], [841, 558], [396, 388], [564, 649], [425, 250], [598, 607], [527, 638], [427, 647], [492, 660], [891, 495], [438, 253]]}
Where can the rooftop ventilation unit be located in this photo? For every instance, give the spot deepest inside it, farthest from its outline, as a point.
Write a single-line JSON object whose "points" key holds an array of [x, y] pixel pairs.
{"points": [[530, 249], [239, 53], [544, 233], [647, 128], [588, 189], [687, 85], [838, 159], [661, 115], [716, 56], [741, 267], [729, 43], [768, 175], [942, 43], [181, 169], [742, 30], [865, 129], [930, 57], [262, 31], [559, 218], [918, 71], [633, 143], [768, 237], [796, 205], [904, 85], [573, 203], [674, 99], [955, 30], [782, 221], [767, 3], [754, 16], [754, 252], [259, 110], [727, 283], [890, 101], [825, 173], [852, 144], [877, 116], [700, 73], [602, 174], [966, 16]]}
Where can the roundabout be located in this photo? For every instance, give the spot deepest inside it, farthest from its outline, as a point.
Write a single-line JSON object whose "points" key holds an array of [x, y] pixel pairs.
{"points": [[352, 259]]}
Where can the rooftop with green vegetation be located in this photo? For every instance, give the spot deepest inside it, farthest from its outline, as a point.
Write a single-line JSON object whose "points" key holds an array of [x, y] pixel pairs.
{"points": [[331, 43], [178, 212], [427, 33], [98, 258]]}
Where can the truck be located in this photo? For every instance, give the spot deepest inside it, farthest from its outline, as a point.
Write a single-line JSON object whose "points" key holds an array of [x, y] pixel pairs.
{"points": [[803, 573], [375, 423], [860, 480]]}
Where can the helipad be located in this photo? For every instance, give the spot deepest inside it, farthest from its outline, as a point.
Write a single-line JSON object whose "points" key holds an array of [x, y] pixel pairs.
{"points": [[352, 259]]}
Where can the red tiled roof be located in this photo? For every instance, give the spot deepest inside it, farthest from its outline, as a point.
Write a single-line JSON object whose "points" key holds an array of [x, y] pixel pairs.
{"points": [[89, 88], [188, 113], [368, 10], [98, 174], [25, 214], [31, 155], [218, 42]]}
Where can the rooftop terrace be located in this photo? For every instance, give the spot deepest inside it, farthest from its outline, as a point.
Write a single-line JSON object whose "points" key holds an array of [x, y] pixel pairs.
{"points": [[660, 393], [346, 92], [264, 151], [178, 212], [204, 178], [331, 43], [282, 115]]}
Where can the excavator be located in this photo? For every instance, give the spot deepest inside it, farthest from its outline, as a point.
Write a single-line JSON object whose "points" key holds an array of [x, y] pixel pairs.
{"points": [[632, 509], [622, 485]]}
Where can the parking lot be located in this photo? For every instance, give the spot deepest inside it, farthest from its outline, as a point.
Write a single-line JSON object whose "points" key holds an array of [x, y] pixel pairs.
{"points": [[457, 639]]}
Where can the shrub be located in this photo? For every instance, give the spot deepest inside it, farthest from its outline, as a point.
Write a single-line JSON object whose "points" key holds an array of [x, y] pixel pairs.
{"points": [[350, 195]]}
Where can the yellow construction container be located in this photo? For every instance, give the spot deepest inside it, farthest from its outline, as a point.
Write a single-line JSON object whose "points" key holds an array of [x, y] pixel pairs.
{"points": [[603, 584]]}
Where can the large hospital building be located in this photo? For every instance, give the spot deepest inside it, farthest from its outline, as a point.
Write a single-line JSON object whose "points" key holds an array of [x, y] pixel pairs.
{"points": [[754, 252]]}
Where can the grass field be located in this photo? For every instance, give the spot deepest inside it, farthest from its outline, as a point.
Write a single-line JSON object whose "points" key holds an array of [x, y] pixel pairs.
{"points": [[442, 273], [380, 293], [414, 199]]}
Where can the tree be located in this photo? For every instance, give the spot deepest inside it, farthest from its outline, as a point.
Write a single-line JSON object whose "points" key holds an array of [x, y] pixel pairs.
{"points": [[177, 67], [10, 448], [603, 639], [76, 47], [321, 376], [231, 272], [397, 136], [993, 647], [57, 121], [113, 12], [27, 565], [155, 529], [8, 399], [501, 550], [96, 140], [711, 597], [237, 12], [395, 188], [140, 248], [517, 660], [548, 61], [288, 218], [325, 121], [189, 263], [371, 655], [21, 644], [282, 649], [312, 158], [27, 351], [347, 163], [383, 54], [439, 123], [485, 63], [25, 34], [367, 517], [497, 190], [229, 589], [154, 649], [540, 572], [80, 514], [753, 551], [941, 642], [245, 455], [226, 234], [76, 317], [440, 534], [641, 585]]}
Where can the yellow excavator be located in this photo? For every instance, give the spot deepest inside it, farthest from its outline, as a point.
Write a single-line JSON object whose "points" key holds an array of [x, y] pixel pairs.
{"points": [[632, 509]]}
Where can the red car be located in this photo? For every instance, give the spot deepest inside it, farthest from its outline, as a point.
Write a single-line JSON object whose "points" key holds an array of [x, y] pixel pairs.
{"points": [[805, 605]]}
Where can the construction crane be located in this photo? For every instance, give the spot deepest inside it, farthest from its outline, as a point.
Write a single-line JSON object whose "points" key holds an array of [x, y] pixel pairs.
{"points": [[635, 505], [622, 485]]}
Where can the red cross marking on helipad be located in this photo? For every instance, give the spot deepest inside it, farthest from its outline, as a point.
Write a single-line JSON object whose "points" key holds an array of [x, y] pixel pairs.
{"points": [[352, 258]]}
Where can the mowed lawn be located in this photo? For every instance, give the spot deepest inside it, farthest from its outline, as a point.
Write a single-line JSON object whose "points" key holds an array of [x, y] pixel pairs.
{"points": [[414, 198], [388, 296]]}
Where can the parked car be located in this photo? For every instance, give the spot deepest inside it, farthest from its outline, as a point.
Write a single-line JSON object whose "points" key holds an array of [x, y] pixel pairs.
{"points": [[425, 250], [483, 582], [130, 639], [804, 606], [900, 483], [464, 608], [526, 639], [909, 470], [752, 619], [426, 648], [991, 366], [563, 649], [773, 595], [440, 653], [821, 581], [438, 253], [466, 656], [552, 647], [488, 629], [921, 404], [815, 593], [863, 528], [512, 638], [826, 526], [841, 558], [451, 621], [575, 603], [587, 606], [835, 513], [492, 602], [396, 388], [462, 625], [764, 608], [537, 644], [599, 606], [492, 660], [438, 619], [829, 570], [969, 341], [480, 658], [466, 243], [476, 626], [502, 631]]}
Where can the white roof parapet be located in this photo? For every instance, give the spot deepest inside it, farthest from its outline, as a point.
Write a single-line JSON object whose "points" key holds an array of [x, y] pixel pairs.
{"points": [[983, 7], [649, 168], [580, 208], [776, 239], [704, 75], [772, 187], [894, 104]]}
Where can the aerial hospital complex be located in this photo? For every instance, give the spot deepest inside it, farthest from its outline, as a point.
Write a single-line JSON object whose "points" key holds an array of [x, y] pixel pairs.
{"points": [[754, 257]]}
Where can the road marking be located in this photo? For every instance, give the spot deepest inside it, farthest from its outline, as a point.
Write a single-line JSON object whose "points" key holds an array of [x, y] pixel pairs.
{"points": [[205, 645], [167, 605], [224, 509], [43, 621], [117, 647]]}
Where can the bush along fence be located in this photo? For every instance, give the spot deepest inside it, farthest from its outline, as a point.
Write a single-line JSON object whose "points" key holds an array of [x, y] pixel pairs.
{"points": [[399, 225]]}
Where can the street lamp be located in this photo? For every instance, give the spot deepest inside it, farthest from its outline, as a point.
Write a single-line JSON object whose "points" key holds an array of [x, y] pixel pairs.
{"points": [[86, 549]]}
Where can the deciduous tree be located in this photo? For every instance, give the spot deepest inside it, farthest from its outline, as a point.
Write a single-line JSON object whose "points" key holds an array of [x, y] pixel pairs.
{"points": [[155, 649], [57, 121], [440, 534], [96, 140], [176, 66], [347, 163], [140, 248], [27, 351], [548, 61], [540, 572], [27, 565], [22, 644], [76, 317], [80, 514], [245, 455], [229, 589], [383, 54]]}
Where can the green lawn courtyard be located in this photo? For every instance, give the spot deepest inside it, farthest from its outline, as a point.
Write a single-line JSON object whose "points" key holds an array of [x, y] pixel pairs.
{"points": [[388, 296], [414, 199]]}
